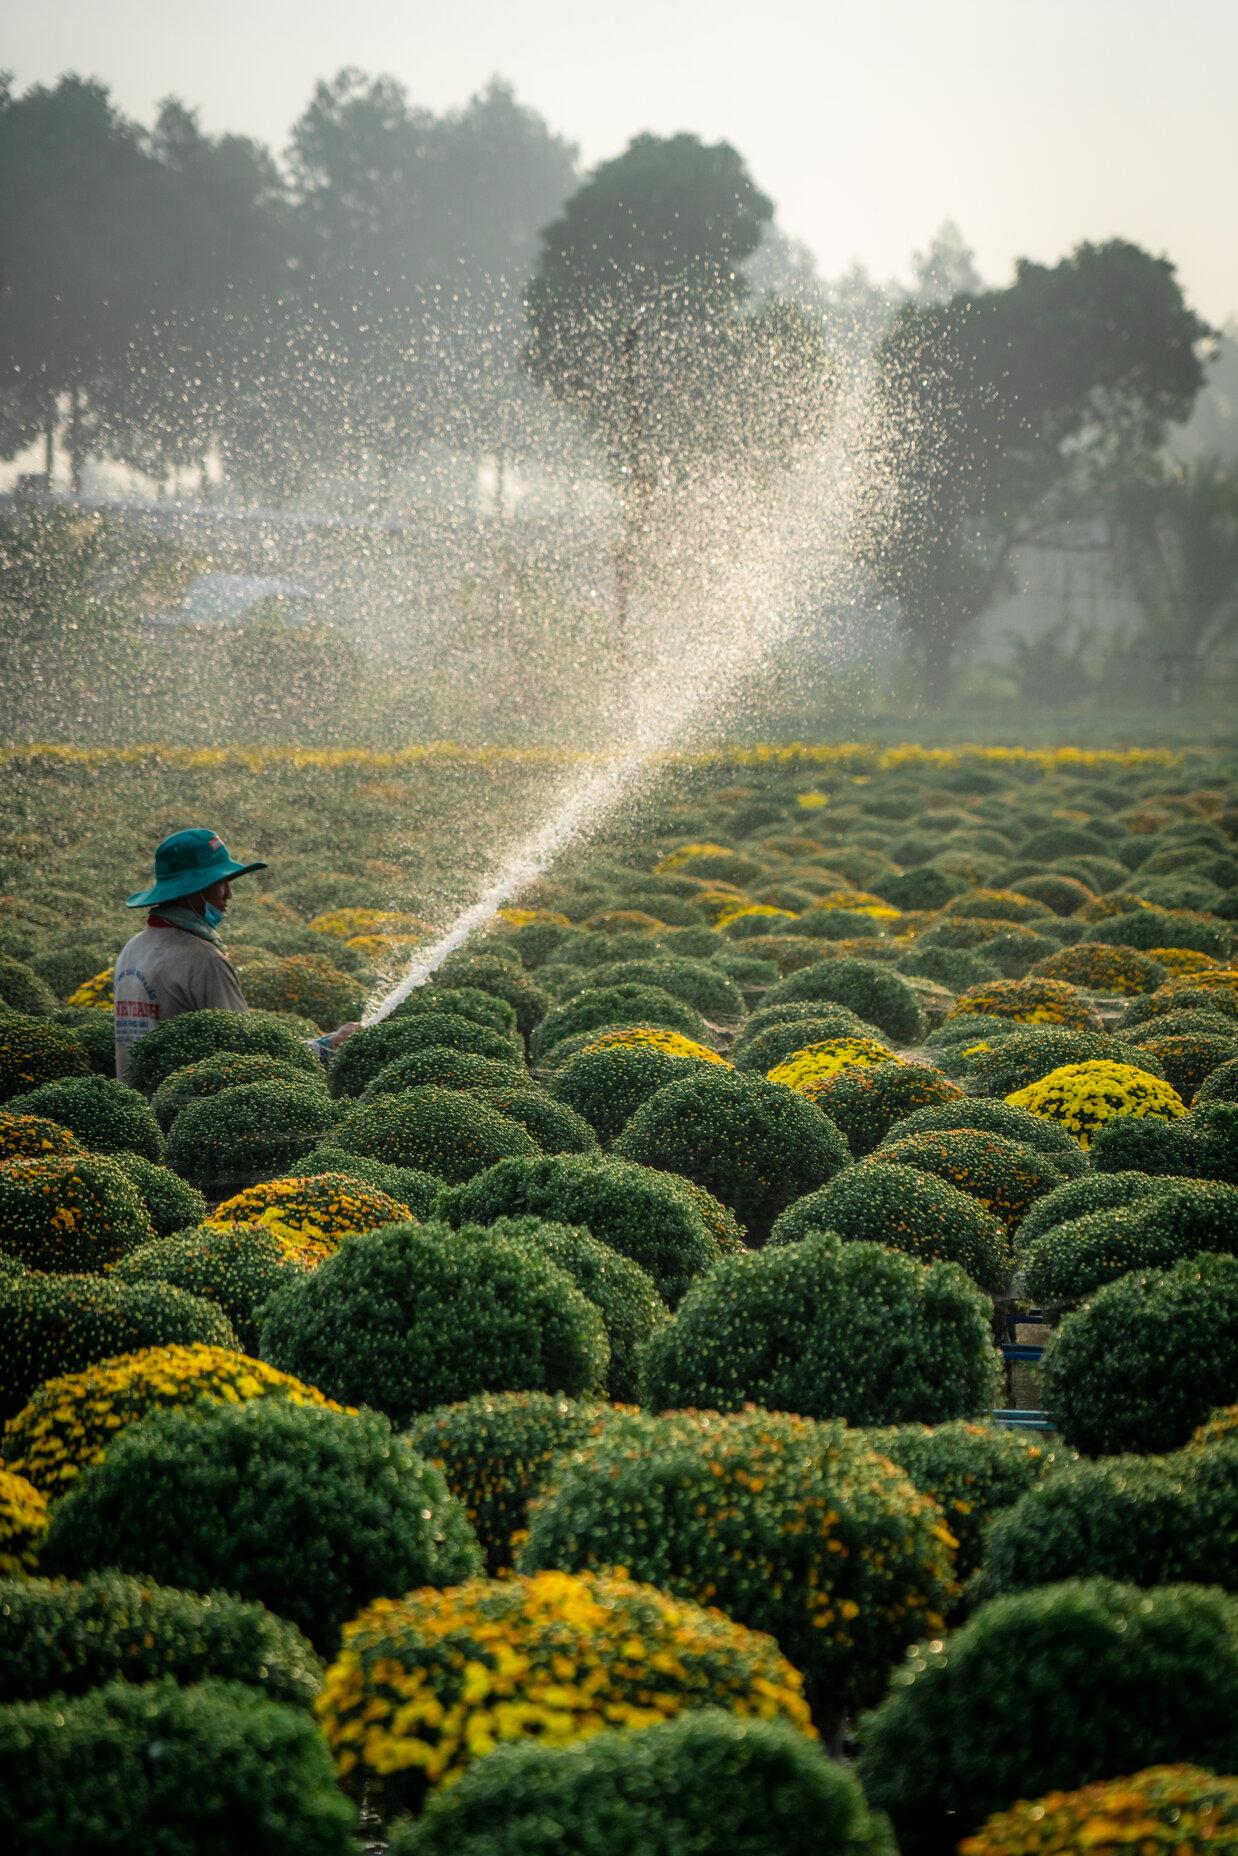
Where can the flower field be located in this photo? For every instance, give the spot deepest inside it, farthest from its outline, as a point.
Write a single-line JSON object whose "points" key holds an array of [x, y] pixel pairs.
{"points": [[760, 1322]]}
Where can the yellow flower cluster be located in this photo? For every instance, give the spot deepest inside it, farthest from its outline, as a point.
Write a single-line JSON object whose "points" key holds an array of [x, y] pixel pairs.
{"points": [[811, 802], [70, 1421], [430, 1682], [817, 1062], [733, 908], [311, 1217], [1030, 1001], [522, 918], [687, 854], [653, 1037], [1219, 1428], [1178, 960], [860, 902], [1162, 1811], [343, 924], [96, 992], [1083, 1096], [1222, 980], [377, 947], [23, 1522], [29, 1137]]}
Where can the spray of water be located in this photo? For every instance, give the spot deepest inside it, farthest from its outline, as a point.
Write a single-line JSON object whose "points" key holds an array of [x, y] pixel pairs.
{"points": [[735, 574]]}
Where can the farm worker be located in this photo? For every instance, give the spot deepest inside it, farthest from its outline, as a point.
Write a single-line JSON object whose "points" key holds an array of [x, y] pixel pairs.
{"points": [[177, 962]]}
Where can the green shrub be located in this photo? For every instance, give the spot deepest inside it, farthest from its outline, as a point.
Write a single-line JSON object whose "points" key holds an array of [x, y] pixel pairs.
{"points": [[199, 1771], [1149, 1520], [30, 1137], [60, 1324], [1131, 1677], [989, 1117], [410, 1185], [21, 989], [829, 1330], [1176, 998], [172, 1204], [925, 887], [836, 924], [708, 1783], [840, 1019], [95, 1033], [191, 1036], [883, 998], [603, 1005], [756, 1145], [237, 1269], [972, 1471], [1188, 1060], [1065, 895], [484, 1008], [789, 1526], [906, 1210], [374, 1048], [867, 1102], [605, 1087], [228, 1141], [1179, 1024], [310, 1511], [105, 1115], [60, 1638], [1221, 1084], [551, 1124], [413, 1316], [949, 966], [496, 1452], [1033, 1051], [310, 985], [1007, 1177], [492, 974], [34, 1051], [435, 1130], [446, 1069], [696, 982], [651, 1217], [1127, 1371], [69, 1212], [761, 1050], [227, 1070], [1202, 1145], [1092, 1192], [1144, 928], [1072, 1261]]}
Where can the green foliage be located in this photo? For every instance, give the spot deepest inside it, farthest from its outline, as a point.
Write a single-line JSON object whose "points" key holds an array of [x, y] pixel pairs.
{"points": [[69, 1212], [414, 1316], [449, 1069], [606, 1086], [191, 1036], [490, 973], [197, 1771], [708, 1783], [311, 1512], [552, 1125], [483, 1008], [1131, 1677], [756, 1145], [435, 1130], [651, 1217], [951, 967], [990, 1117], [906, 1210], [1221, 1085], [1144, 928], [1007, 1177], [763, 1045], [972, 1471], [172, 1204], [410, 1185], [872, 992], [496, 1452], [829, 1330], [696, 982], [629, 1003], [1032, 1051], [1093, 1192], [1149, 1520], [866, 1101], [227, 1070], [372, 1049], [106, 1116], [34, 1051], [1203, 1144], [61, 1638], [228, 1141], [1188, 1059], [237, 1269], [748, 1512], [95, 1032], [21, 989], [1071, 1261], [60, 1324], [1127, 1371]]}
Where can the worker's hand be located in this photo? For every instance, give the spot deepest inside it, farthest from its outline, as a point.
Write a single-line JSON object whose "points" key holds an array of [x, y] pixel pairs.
{"points": [[344, 1033]]}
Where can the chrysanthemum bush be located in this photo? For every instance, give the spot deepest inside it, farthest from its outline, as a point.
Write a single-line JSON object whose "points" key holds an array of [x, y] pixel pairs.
{"points": [[309, 1510], [1200, 1145], [105, 1115], [1151, 1520], [94, 994], [69, 1212], [1070, 1261], [372, 1049], [1091, 1192], [866, 1103], [407, 1185], [21, 989], [1006, 1177], [430, 1682], [1031, 1002], [1130, 1676], [34, 1137], [310, 1215], [757, 1145], [604, 1005], [1189, 1058], [1083, 1096], [873, 992], [905, 1210], [661, 1222], [828, 1330], [811, 1065], [707, 1778], [791, 1526], [60, 1324], [1164, 1809], [988, 1116], [608, 1083], [1028, 1055], [697, 982], [191, 1036], [496, 1452], [434, 1129], [23, 1523], [71, 1419], [227, 1141], [773, 1033], [226, 1070], [411, 1317], [1097, 967], [452, 1069], [972, 1471], [63, 1637], [236, 1268]]}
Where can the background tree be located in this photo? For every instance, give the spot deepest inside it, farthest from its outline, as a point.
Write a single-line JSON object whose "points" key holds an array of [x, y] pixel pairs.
{"points": [[1177, 542]]}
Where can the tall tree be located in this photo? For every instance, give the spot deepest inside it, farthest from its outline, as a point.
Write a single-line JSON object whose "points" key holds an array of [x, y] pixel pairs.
{"points": [[1177, 540]]}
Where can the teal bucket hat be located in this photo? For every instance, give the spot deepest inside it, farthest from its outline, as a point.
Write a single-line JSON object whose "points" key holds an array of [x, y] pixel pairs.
{"points": [[187, 862]]}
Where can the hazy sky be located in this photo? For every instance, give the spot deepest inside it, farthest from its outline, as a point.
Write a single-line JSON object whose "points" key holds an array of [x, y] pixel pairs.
{"points": [[1033, 123]]}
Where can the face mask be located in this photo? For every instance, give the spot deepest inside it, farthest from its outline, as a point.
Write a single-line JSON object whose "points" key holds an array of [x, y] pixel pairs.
{"points": [[213, 915]]}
